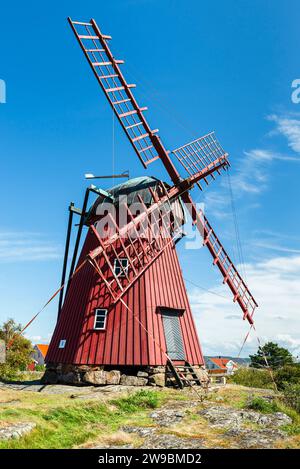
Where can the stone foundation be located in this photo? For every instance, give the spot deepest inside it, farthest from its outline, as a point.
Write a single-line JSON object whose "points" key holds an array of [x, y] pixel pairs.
{"points": [[81, 375]]}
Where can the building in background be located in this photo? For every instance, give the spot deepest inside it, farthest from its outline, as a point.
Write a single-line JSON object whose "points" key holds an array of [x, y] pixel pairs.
{"points": [[39, 354], [224, 365]]}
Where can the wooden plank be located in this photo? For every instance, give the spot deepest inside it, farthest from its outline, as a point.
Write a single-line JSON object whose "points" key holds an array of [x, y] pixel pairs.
{"points": [[128, 113]]}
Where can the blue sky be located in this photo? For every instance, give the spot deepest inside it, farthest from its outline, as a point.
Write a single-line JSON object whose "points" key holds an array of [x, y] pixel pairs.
{"points": [[199, 66]]}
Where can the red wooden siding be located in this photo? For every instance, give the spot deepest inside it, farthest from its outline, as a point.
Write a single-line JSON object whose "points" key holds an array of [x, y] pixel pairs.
{"points": [[124, 341]]}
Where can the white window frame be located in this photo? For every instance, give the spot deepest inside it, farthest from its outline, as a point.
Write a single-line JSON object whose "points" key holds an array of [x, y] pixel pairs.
{"points": [[122, 273], [105, 319], [62, 343]]}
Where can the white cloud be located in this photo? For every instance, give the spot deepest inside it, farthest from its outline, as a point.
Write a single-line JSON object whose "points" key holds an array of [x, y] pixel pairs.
{"points": [[261, 155], [275, 247], [39, 339], [26, 246], [251, 172], [275, 284], [289, 127]]}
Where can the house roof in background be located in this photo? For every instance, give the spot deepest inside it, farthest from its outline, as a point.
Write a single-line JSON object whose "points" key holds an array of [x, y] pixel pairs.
{"points": [[43, 348], [220, 362], [237, 360]]}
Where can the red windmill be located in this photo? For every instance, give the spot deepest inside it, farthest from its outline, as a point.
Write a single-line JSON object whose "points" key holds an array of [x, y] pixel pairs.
{"points": [[126, 307]]}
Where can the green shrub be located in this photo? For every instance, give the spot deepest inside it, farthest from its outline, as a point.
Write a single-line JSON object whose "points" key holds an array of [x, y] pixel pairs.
{"points": [[7, 372], [262, 405], [287, 374], [253, 378], [39, 368], [291, 395]]}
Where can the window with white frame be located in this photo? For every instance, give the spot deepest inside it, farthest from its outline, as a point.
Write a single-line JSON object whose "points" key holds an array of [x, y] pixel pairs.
{"points": [[100, 319], [62, 343], [121, 266]]}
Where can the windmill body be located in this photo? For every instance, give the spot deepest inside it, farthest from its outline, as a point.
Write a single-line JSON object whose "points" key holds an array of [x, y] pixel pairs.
{"points": [[125, 312]]}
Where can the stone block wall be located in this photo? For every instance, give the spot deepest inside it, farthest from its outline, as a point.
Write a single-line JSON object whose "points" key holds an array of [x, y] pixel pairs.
{"points": [[101, 375]]}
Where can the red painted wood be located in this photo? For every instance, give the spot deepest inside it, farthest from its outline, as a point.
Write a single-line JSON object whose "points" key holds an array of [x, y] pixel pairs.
{"points": [[124, 341]]}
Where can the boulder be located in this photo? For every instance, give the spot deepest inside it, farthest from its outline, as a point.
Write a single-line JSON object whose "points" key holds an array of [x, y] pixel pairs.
{"points": [[113, 377], [16, 430], [142, 374], [95, 377], [158, 379], [70, 378], [127, 380], [142, 381], [50, 377]]}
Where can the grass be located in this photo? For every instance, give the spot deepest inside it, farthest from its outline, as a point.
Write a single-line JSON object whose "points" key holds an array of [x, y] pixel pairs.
{"points": [[71, 423], [140, 400], [62, 423], [277, 405]]}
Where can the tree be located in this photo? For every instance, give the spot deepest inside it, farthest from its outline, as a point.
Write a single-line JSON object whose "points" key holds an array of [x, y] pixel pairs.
{"points": [[18, 356], [276, 356]]}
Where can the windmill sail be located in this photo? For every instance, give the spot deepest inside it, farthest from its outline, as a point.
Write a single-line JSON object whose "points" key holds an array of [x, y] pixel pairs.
{"points": [[202, 155], [116, 89]]}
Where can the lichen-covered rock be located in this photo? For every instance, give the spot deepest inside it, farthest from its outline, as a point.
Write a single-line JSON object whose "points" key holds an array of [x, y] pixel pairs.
{"points": [[95, 377], [142, 374], [159, 379], [113, 377], [127, 380], [16, 431], [167, 417], [223, 416]]}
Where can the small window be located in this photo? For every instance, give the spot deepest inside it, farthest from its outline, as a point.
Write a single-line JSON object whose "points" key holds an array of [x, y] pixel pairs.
{"points": [[62, 343], [100, 319], [121, 267]]}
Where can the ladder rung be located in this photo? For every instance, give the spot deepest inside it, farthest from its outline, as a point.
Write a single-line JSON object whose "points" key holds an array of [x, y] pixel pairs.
{"points": [[99, 64], [122, 100], [111, 90], [94, 50], [144, 149], [108, 63], [103, 77], [132, 85], [80, 22], [105, 36], [150, 160], [140, 137], [84, 36], [143, 109], [129, 113], [134, 125]]}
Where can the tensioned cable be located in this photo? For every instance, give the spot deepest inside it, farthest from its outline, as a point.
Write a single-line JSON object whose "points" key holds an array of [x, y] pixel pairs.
{"points": [[206, 289], [236, 227]]}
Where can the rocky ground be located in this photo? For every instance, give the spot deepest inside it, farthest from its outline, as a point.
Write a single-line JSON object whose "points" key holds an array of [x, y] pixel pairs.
{"points": [[215, 420], [237, 428]]}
